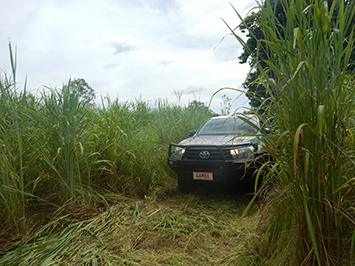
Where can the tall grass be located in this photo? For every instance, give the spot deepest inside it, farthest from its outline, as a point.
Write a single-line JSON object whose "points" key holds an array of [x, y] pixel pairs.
{"points": [[58, 148], [310, 217], [16, 128], [133, 137], [11, 164], [66, 122]]}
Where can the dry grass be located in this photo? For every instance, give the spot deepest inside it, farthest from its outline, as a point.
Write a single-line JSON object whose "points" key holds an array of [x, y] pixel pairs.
{"points": [[168, 228]]}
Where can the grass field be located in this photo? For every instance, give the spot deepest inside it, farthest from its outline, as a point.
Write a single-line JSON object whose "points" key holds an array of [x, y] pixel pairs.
{"points": [[82, 184], [89, 185]]}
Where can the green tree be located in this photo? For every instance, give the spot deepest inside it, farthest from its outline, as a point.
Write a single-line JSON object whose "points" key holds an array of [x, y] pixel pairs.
{"points": [[256, 51], [226, 105], [198, 105], [86, 92]]}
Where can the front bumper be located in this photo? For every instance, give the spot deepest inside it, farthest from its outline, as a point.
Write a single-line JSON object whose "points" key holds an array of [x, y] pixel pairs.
{"points": [[224, 168], [223, 172]]}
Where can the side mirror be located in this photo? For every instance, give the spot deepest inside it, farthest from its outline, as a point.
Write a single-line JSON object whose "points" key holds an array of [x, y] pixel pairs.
{"points": [[191, 133]]}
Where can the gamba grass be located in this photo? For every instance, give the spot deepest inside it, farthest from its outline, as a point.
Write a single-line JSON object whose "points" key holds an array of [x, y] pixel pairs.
{"points": [[58, 148], [133, 136], [310, 215], [16, 126], [66, 121], [166, 228]]}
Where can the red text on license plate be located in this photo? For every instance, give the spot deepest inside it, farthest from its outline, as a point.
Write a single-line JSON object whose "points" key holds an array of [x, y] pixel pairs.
{"points": [[202, 176]]}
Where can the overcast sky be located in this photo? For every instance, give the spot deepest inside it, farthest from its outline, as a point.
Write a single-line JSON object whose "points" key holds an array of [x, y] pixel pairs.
{"points": [[127, 49]]}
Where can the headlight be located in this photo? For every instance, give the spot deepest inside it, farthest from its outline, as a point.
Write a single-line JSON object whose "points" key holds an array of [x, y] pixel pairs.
{"points": [[243, 153], [179, 152]]}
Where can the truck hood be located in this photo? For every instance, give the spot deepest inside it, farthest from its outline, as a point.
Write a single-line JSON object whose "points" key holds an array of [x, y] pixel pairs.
{"points": [[219, 140]]}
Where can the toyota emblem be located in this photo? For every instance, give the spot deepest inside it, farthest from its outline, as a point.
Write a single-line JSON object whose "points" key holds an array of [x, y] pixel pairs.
{"points": [[204, 155]]}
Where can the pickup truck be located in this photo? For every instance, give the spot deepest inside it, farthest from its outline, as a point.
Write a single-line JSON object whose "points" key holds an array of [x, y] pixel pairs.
{"points": [[224, 151]]}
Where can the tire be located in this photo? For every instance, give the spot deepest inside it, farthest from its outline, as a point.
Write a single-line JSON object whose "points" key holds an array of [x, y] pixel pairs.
{"points": [[250, 185]]}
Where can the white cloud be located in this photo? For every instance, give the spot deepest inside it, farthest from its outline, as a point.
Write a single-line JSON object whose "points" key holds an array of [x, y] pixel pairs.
{"points": [[126, 48]]}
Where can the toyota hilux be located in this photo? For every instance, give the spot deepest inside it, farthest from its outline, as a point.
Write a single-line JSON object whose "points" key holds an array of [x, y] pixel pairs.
{"points": [[223, 152]]}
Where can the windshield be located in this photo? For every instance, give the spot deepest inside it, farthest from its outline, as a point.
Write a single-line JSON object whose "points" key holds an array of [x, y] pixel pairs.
{"points": [[225, 126]]}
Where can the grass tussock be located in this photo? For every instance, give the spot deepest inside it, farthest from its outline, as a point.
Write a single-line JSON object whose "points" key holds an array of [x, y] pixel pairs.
{"points": [[308, 71]]}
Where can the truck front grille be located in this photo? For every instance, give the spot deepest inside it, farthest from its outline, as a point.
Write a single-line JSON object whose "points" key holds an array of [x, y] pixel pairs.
{"points": [[214, 153]]}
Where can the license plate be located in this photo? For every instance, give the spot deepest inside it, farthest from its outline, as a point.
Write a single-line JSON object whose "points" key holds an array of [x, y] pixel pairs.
{"points": [[203, 176]]}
